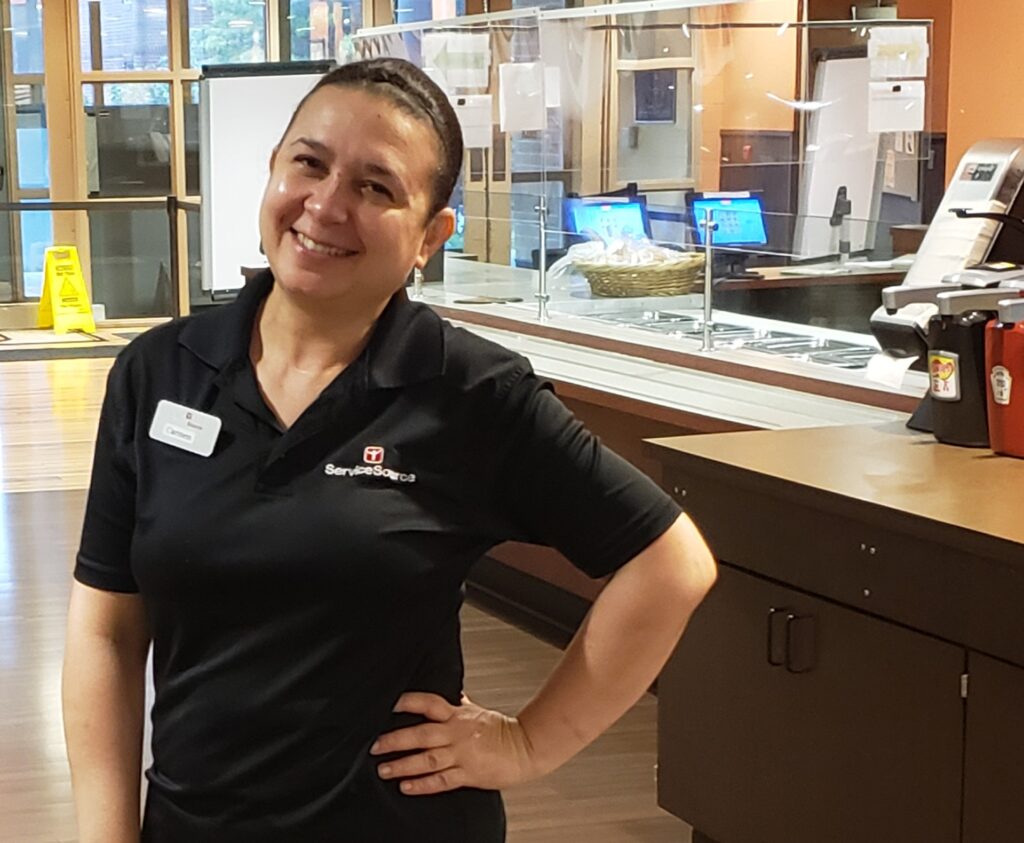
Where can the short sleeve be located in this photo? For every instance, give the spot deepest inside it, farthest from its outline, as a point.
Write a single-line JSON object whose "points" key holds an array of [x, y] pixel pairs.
{"points": [[105, 552], [561, 487]]}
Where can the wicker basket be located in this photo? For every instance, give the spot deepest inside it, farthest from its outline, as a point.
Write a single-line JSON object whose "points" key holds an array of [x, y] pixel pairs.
{"points": [[672, 278]]}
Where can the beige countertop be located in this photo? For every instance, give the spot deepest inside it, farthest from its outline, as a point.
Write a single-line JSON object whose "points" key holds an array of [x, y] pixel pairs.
{"points": [[885, 465]]}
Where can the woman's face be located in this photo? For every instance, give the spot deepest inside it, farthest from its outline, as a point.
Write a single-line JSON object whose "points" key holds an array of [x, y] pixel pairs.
{"points": [[345, 211]]}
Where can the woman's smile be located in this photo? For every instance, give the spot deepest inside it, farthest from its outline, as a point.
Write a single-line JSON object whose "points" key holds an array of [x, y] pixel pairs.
{"points": [[308, 244]]}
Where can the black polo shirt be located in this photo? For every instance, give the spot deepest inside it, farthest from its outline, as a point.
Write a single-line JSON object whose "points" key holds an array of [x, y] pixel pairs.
{"points": [[298, 582]]}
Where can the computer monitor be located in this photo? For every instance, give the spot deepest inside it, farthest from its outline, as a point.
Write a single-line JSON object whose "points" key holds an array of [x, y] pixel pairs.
{"points": [[610, 220], [740, 219]]}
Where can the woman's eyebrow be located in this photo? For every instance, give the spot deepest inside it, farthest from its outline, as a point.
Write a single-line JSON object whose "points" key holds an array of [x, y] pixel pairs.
{"points": [[315, 145], [380, 170]]}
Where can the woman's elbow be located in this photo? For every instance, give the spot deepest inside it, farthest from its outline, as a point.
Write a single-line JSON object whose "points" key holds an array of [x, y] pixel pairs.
{"points": [[705, 572], [676, 570], [695, 567]]}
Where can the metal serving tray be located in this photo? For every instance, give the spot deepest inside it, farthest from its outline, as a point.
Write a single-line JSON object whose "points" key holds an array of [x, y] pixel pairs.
{"points": [[826, 352]]}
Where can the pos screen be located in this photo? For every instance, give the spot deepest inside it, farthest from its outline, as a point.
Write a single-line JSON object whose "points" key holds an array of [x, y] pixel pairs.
{"points": [[609, 220], [740, 220]]}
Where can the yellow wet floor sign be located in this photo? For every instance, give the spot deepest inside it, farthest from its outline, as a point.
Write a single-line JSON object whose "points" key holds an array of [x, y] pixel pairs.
{"points": [[65, 303]]}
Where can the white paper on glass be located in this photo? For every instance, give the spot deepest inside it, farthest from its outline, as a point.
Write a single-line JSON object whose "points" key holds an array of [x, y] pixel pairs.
{"points": [[457, 59], [890, 169], [521, 97], [896, 106], [552, 86], [888, 370], [898, 52], [474, 113]]}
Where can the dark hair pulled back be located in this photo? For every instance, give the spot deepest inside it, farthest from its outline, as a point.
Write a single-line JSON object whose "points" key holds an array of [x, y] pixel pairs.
{"points": [[408, 88]]}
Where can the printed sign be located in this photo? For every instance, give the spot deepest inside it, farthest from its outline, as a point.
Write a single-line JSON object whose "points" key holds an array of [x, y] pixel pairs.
{"points": [[64, 305], [944, 373]]}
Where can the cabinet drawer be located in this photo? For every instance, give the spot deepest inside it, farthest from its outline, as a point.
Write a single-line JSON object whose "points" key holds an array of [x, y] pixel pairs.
{"points": [[858, 737], [876, 560]]}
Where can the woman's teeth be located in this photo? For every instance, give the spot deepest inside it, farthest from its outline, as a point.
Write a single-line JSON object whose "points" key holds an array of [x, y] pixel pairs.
{"points": [[320, 248]]}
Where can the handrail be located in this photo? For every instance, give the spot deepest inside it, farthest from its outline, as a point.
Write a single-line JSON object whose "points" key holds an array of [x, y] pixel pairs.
{"points": [[170, 204], [91, 204]]}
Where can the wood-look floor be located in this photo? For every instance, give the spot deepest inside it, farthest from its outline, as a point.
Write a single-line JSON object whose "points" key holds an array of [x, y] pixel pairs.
{"points": [[48, 414]]}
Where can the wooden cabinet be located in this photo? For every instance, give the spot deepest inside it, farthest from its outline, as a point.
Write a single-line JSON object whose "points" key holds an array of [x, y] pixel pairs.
{"points": [[993, 774], [881, 699], [786, 718]]}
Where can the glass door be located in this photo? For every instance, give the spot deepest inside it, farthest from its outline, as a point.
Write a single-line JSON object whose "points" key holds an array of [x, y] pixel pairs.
{"points": [[24, 151], [8, 266]]}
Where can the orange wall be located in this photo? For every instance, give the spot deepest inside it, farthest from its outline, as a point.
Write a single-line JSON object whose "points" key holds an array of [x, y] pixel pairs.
{"points": [[985, 78], [739, 67], [940, 12]]}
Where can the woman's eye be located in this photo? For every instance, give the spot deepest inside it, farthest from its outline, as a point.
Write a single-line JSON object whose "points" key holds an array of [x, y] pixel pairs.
{"points": [[309, 162], [379, 189]]}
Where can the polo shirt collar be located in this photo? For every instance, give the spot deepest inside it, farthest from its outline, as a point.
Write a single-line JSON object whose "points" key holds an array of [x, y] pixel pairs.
{"points": [[406, 347]]}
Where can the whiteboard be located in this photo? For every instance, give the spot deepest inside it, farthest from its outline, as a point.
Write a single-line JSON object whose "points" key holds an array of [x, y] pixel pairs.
{"points": [[242, 118], [840, 152]]}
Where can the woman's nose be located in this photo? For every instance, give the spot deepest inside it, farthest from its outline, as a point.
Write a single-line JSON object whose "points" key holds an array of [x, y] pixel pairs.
{"points": [[327, 200]]}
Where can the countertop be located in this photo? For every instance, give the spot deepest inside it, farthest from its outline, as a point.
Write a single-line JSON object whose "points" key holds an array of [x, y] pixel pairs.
{"points": [[877, 518], [883, 465]]}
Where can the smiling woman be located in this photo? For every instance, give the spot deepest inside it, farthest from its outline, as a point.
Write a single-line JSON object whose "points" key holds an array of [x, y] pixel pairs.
{"points": [[350, 189], [302, 581]]}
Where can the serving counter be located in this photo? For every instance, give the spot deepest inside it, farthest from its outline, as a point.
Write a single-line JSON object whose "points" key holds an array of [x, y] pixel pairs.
{"points": [[628, 383], [484, 295], [858, 670]]}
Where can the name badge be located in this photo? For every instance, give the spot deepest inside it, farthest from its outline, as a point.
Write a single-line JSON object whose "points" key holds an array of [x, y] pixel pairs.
{"points": [[185, 428]]}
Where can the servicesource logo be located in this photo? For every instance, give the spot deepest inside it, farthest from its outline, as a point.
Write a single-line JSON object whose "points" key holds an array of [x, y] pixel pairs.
{"points": [[373, 456]]}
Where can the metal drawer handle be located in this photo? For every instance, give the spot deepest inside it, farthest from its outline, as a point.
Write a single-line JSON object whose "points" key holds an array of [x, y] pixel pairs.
{"points": [[774, 613], [809, 637]]}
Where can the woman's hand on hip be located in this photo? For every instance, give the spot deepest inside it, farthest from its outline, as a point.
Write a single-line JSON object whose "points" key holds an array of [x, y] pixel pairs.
{"points": [[461, 746]]}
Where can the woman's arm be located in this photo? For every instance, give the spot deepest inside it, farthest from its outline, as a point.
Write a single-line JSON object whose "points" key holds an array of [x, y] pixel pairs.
{"points": [[104, 702], [621, 646], [617, 653]]}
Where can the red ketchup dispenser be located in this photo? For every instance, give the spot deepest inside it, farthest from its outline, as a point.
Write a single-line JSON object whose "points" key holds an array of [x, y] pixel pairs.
{"points": [[1004, 364]]}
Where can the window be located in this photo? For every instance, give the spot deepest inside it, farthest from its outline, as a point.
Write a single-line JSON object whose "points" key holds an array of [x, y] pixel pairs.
{"points": [[130, 262], [322, 29], [31, 137], [24, 151], [123, 34], [36, 237], [410, 11], [128, 140], [226, 31], [27, 36], [190, 98]]}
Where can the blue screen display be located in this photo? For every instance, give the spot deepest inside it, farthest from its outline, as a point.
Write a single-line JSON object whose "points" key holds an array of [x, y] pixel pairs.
{"points": [[740, 221], [609, 220]]}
